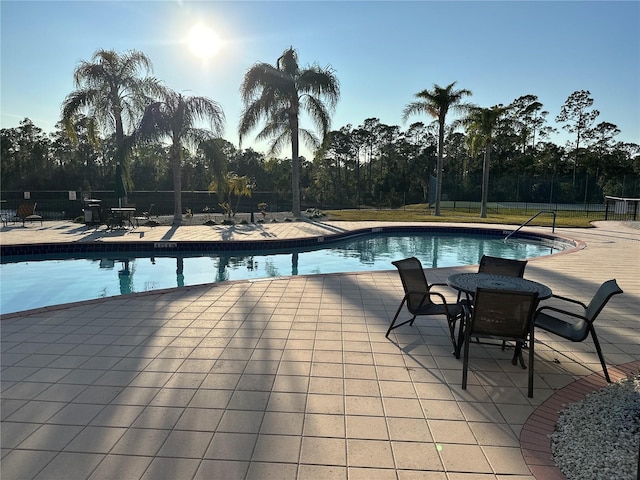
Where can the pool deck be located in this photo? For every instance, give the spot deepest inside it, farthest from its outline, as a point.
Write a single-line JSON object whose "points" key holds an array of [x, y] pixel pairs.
{"points": [[293, 378]]}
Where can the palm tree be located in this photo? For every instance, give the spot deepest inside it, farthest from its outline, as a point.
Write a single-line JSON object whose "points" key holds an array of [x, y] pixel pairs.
{"points": [[175, 117], [240, 186], [111, 92], [277, 94], [437, 103], [218, 164], [481, 123]]}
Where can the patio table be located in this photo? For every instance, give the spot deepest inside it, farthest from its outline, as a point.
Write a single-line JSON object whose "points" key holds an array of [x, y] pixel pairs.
{"points": [[470, 282], [124, 213]]}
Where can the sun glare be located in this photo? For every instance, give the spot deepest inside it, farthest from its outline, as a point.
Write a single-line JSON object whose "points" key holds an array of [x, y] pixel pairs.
{"points": [[203, 41]]}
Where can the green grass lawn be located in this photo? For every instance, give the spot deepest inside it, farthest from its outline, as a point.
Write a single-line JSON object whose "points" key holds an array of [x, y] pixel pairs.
{"points": [[421, 213]]}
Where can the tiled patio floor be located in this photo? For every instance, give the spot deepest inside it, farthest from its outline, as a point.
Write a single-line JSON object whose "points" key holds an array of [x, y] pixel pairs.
{"points": [[290, 377]]}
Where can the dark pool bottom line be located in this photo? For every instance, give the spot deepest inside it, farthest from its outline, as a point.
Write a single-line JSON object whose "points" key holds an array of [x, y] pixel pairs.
{"points": [[10, 253]]}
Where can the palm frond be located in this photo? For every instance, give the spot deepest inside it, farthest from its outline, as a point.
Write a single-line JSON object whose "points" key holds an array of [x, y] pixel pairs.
{"points": [[318, 113], [320, 82], [279, 141], [309, 138]]}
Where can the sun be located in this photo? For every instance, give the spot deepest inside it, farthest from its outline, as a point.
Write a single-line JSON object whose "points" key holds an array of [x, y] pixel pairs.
{"points": [[203, 41]]}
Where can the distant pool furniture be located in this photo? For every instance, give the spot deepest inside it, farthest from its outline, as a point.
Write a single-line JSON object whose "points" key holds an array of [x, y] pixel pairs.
{"points": [[122, 215], [419, 298], [577, 327], [3, 217], [145, 217], [92, 211], [26, 211], [502, 315]]}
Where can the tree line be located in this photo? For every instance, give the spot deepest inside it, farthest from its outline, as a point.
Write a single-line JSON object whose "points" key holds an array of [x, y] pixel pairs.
{"points": [[120, 114]]}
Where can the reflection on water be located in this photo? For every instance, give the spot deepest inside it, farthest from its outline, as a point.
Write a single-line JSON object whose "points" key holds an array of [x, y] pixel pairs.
{"points": [[82, 279]]}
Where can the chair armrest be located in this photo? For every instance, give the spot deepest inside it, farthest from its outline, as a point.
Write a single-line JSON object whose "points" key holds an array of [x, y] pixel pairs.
{"points": [[439, 295], [445, 285], [425, 295], [566, 299], [564, 312]]}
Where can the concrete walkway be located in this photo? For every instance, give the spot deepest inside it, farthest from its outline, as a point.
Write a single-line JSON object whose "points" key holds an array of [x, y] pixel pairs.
{"points": [[290, 378]]}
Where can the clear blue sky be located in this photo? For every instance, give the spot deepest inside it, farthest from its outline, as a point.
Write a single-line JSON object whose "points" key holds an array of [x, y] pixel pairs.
{"points": [[383, 52]]}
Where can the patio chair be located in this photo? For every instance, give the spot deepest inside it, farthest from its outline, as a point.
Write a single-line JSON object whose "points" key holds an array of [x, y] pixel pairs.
{"points": [[145, 217], [577, 327], [498, 266], [26, 211], [501, 266], [502, 315], [418, 296]]}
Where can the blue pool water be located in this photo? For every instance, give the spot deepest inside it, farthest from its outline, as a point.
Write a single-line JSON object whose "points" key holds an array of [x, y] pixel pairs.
{"points": [[37, 283]]}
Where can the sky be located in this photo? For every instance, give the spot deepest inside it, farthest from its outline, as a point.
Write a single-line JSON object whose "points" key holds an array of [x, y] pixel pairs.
{"points": [[383, 53]]}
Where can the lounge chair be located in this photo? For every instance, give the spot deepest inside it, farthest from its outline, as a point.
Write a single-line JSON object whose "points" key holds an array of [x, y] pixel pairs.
{"points": [[577, 327], [418, 296], [145, 217], [26, 211], [502, 315]]}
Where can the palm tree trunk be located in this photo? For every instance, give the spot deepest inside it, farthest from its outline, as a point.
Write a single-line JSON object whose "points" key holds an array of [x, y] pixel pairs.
{"points": [[177, 184], [439, 165], [295, 170], [485, 180], [120, 154]]}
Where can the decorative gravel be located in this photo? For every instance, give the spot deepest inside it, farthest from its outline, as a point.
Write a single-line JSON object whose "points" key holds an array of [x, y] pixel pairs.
{"points": [[598, 438]]}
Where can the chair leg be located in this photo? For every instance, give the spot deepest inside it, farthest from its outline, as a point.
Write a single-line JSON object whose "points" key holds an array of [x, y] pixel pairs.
{"points": [[451, 321], [465, 363], [599, 350], [530, 393], [463, 322], [517, 354], [392, 326]]}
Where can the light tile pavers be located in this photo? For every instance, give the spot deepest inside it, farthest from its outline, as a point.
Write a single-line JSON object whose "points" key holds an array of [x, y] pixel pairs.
{"points": [[293, 377]]}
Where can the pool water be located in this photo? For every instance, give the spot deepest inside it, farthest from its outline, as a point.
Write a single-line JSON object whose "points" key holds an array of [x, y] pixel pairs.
{"points": [[37, 283]]}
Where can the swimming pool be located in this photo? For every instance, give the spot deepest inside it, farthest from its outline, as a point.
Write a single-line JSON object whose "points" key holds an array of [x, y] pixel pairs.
{"points": [[48, 279]]}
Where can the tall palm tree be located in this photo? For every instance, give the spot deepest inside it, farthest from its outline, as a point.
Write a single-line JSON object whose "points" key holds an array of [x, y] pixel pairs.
{"points": [[277, 94], [481, 123], [112, 92], [437, 103], [176, 117]]}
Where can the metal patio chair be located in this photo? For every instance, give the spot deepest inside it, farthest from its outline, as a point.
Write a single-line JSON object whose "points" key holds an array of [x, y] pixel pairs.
{"points": [[26, 211], [501, 266], [419, 298], [577, 327], [502, 315]]}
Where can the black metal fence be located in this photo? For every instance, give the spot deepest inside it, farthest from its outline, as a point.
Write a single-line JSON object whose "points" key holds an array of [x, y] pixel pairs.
{"points": [[59, 205], [65, 205]]}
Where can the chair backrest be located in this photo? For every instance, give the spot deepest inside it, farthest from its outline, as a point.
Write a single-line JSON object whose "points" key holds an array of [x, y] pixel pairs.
{"points": [[25, 209], [414, 283], [503, 313], [607, 290], [502, 266]]}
